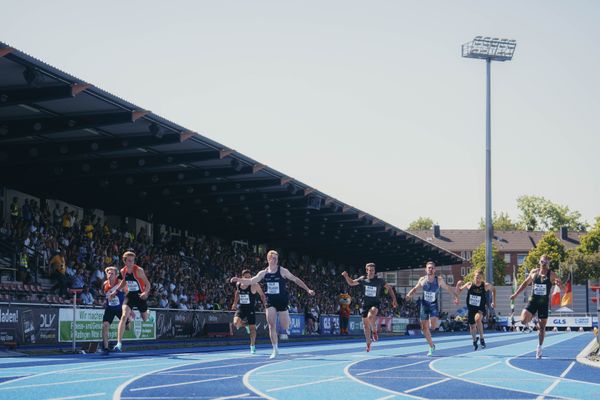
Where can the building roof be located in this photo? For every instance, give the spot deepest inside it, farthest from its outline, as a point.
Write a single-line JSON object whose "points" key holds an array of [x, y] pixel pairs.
{"points": [[458, 240], [62, 138]]}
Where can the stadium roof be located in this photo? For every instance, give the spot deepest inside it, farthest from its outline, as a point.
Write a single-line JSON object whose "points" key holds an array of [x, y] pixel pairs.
{"points": [[61, 138]]}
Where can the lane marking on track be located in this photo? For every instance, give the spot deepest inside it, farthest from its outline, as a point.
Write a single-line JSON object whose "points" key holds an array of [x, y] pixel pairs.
{"points": [[246, 380], [183, 383], [83, 396], [337, 378], [556, 382], [425, 386], [390, 368]]}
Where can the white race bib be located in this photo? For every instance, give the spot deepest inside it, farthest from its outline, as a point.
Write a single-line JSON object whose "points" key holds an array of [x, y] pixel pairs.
{"points": [[371, 291], [429, 296], [474, 300], [539, 289], [244, 298], [114, 301], [272, 287], [133, 286]]}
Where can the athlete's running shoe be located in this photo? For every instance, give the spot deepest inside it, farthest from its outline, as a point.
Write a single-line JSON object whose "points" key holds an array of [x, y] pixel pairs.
{"points": [[375, 336], [482, 341], [538, 352], [247, 329], [105, 351], [431, 350], [475, 346], [117, 348], [274, 354], [252, 349], [368, 347]]}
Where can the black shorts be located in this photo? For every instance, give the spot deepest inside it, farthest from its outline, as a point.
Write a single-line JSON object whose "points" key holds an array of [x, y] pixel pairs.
{"points": [[246, 315], [541, 309], [472, 311], [111, 313], [134, 300], [278, 303], [367, 306]]}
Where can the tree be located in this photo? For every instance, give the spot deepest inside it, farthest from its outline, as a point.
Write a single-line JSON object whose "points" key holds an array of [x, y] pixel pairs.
{"points": [[478, 262], [422, 223], [590, 242], [549, 245], [584, 266], [501, 222], [538, 213]]}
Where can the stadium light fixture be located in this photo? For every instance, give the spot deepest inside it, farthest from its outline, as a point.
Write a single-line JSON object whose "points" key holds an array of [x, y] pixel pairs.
{"points": [[489, 49]]}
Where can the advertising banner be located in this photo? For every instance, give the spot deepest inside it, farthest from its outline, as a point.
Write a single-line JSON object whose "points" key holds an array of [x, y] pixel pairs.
{"points": [[399, 324], [28, 324], [88, 326], [573, 322], [329, 325], [355, 325]]}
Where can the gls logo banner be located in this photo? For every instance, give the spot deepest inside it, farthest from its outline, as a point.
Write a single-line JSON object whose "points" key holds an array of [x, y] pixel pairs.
{"points": [[559, 321]]}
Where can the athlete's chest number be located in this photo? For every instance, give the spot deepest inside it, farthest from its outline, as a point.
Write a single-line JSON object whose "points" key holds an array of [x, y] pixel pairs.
{"points": [[272, 287], [133, 286], [429, 296], [539, 289], [244, 298], [114, 301], [371, 291], [474, 300]]}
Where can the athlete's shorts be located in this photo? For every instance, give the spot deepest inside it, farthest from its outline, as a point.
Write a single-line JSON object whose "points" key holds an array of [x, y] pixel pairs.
{"points": [[134, 300], [472, 311], [367, 306], [246, 315], [428, 310], [541, 309], [111, 313], [278, 303]]}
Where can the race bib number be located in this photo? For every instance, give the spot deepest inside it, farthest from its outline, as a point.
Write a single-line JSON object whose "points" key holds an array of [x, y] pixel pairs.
{"points": [[114, 301], [272, 287], [244, 298], [429, 296], [539, 289], [133, 286], [474, 300], [371, 291]]}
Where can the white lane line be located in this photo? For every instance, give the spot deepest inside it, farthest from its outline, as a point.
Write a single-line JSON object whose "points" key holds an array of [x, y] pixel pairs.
{"points": [[556, 382], [425, 386], [246, 380], [232, 397], [337, 378], [402, 394], [390, 368], [184, 383], [119, 390], [220, 366], [297, 368], [83, 396], [61, 383], [479, 369]]}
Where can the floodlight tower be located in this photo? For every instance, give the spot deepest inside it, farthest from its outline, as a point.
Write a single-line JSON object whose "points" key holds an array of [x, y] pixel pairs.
{"points": [[489, 49]]}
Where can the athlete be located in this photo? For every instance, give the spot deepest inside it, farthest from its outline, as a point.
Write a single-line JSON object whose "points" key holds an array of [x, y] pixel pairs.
{"points": [[373, 289], [429, 312], [113, 306], [541, 279], [476, 304], [138, 288], [244, 306], [275, 278]]}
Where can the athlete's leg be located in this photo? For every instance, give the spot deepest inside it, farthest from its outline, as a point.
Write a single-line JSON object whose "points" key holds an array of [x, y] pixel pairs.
{"points": [[145, 315], [542, 330], [479, 323], [284, 320], [426, 332], [237, 322], [372, 319], [105, 327], [122, 322], [271, 313]]}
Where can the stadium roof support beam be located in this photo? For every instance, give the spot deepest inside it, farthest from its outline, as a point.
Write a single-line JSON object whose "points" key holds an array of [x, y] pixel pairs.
{"points": [[10, 97], [20, 128]]}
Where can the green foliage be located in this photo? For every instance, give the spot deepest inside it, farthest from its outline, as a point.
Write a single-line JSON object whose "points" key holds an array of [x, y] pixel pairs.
{"points": [[549, 244], [590, 242], [584, 266], [501, 222], [422, 223], [538, 213], [478, 262]]}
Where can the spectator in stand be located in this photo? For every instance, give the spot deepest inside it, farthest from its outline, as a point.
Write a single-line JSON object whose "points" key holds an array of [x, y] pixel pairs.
{"points": [[86, 297], [58, 268], [78, 280]]}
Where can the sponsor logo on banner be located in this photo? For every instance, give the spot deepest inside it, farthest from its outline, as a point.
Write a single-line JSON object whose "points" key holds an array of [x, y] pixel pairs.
{"points": [[573, 322], [329, 325], [8, 317]]}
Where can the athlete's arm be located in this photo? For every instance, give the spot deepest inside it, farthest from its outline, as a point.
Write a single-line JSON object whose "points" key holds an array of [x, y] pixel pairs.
{"points": [[463, 287], [236, 298], [523, 285], [249, 281], [147, 286], [556, 280], [260, 292], [116, 288], [392, 294], [351, 282], [413, 290], [450, 290], [288, 275], [489, 286]]}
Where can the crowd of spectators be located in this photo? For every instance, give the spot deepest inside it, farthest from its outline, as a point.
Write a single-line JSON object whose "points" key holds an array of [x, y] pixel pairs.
{"points": [[185, 272]]}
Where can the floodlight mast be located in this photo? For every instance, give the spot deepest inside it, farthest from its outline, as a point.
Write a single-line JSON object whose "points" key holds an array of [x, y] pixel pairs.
{"points": [[489, 49]]}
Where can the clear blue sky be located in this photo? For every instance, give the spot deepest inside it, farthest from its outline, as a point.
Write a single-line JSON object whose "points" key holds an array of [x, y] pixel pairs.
{"points": [[368, 101]]}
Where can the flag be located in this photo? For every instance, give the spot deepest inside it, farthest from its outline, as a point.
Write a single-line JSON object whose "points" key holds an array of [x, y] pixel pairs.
{"points": [[514, 289], [568, 296], [555, 296]]}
